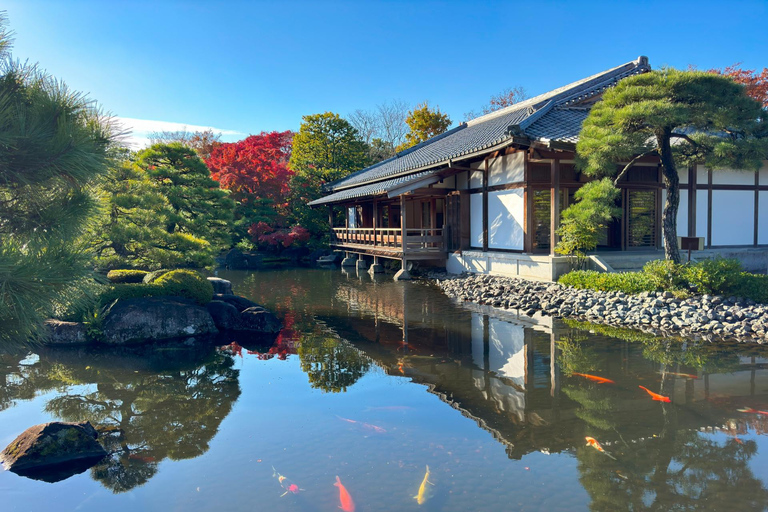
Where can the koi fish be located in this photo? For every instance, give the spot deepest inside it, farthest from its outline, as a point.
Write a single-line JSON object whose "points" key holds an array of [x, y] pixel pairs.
{"points": [[285, 483], [595, 378], [752, 411], [591, 441], [347, 505], [142, 458], [423, 495], [656, 396], [682, 375], [366, 426]]}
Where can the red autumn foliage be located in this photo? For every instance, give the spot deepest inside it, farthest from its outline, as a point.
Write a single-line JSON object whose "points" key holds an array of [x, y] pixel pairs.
{"points": [[256, 165], [263, 233], [755, 82]]}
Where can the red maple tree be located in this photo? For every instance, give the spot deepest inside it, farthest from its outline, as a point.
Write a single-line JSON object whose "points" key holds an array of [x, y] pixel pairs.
{"points": [[254, 166]]}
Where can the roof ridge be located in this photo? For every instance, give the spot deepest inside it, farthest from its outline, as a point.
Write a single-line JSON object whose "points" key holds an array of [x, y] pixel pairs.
{"points": [[641, 61]]}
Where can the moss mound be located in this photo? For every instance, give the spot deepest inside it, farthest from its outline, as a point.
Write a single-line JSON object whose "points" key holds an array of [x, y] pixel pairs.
{"points": [[126, 276], [177, 283]]}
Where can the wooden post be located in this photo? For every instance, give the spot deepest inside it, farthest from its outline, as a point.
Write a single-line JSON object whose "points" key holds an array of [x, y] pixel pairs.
{"points": [[554, 216], [403, 231], [692, 201], [485, 206], [330, 220], [528, 208], [375, 222]]}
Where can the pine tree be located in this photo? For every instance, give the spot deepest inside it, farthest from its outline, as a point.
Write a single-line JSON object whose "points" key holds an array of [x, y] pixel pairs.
{"points": [[54, 145]]}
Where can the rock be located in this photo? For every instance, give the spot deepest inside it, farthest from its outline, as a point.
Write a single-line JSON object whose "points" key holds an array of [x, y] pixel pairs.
{"points": [[295, 254], [225, 315], [258, 319], [241, 303], [238, 260], [221, 285], [65, 333], [158, 318], [49, 446]]}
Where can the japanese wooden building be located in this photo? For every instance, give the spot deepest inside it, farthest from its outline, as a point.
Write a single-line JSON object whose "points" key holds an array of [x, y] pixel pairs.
{"points": [[487, 195]]}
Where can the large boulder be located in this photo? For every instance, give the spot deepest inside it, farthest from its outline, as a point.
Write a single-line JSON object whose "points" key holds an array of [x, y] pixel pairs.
{"points": [[156, 318], [53, 450], [258, 319], [295, 254], [225, 316], [221, 285], [238, 260], [65, 333], [241, 303]]}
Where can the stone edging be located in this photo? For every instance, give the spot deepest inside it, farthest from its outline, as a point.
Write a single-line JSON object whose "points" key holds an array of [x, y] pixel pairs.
{"points": [[700, 317]]}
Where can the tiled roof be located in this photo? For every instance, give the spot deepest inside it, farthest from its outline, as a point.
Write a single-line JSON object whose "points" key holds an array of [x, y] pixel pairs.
{"points": [[553, 116], [372, 189]]}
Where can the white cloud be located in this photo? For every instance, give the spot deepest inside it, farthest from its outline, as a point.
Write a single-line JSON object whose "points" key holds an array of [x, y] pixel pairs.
{"points": [[140, 129]]}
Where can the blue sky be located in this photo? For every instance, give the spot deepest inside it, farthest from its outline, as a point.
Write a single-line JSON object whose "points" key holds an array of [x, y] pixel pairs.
{"points": [[246, 66]]}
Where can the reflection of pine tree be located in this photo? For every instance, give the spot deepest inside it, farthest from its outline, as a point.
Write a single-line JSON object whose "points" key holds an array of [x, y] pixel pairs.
{"points": [[146, 417], [679, 470], [331, 364]]}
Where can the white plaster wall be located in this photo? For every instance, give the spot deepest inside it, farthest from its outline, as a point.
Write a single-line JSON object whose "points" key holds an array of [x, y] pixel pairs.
{"points": [[762, 219], [449, 182], [702, 207], [731, 177], [507, 169], [701, 175], [505, 219], [733, 217], [507, 350], [476, 220], [764, 174]]}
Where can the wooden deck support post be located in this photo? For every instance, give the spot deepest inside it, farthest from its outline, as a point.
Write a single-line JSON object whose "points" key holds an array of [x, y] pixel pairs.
{"points": [[554, 217], [402, 274]]}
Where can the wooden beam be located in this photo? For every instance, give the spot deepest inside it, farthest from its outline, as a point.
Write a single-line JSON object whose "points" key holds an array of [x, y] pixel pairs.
{"points": [[485, 206], [709, 208], [554, 216], [403, 219]]}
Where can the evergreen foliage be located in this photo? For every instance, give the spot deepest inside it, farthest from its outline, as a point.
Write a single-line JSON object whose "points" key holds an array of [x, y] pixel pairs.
{"points": [[681, 117], [164, 210], [54, 145], [326, 148]]}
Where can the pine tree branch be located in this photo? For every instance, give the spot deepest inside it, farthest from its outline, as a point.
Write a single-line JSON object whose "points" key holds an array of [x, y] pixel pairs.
{"points": [[633, 162]]}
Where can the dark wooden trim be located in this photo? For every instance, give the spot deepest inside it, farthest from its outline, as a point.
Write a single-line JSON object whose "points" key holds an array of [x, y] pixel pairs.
{"points": [[692, 201], [757, 202], [485, 205], [403, 228], [511, 251], [375, 221], [528, 210], [709, 208], [497, 188], [659, 210], [554, 201]]}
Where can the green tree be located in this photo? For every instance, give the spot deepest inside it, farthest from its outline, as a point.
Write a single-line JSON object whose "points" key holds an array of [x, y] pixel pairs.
{"points": [[326, 148], [164, 210], [424, 123], [54, 145], [681, 117]]}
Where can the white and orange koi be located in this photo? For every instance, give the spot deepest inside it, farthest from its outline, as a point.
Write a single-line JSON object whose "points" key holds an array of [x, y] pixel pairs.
{"points": [[591, 441]]}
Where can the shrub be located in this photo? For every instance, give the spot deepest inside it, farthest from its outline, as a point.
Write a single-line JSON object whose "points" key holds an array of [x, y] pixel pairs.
{"points": [[186, 283], [665, 274], [129, 291], [126, 276], [151, 277], [627, 282], [752, 286], [718, 276]]}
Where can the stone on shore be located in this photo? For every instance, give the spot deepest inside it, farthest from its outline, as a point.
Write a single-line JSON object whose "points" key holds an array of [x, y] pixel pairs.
{"points": [[65, 333], [153, 319], [258, 319], [221, 285], [41, 451]]}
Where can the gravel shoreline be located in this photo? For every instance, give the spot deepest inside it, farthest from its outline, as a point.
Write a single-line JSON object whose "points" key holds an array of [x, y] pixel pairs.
{"points": [[703, 317]]}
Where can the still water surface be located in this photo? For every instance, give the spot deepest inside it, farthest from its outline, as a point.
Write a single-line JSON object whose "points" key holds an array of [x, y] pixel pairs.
{"points": [[375, 380]]}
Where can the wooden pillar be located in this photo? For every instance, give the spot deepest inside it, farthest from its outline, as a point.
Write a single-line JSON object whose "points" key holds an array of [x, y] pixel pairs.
{"points": [[330, 220], [485, 206], [554, 203], [403, 220], [757, 205], [709, 208], [692, 201], [528, 208], [375, 223]]}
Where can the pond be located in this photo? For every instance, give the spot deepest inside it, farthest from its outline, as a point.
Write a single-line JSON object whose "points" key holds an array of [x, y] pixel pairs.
{"points": [[373, 381]]}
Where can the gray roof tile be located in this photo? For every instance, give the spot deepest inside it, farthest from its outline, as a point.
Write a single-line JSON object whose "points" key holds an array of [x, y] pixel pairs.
{"points": [[553, 116]]}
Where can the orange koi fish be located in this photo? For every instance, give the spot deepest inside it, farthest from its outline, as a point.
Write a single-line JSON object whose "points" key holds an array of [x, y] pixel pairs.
{"points": [[347, 505], [752, 411], [682, 375], [591, 441], [595, 378], [285, 483], [147, 459], [656, 396], [365, 426]]}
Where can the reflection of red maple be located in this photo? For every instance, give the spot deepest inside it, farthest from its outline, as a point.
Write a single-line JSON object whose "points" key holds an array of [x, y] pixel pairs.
{"points": [[284, 343], [233, 349]]}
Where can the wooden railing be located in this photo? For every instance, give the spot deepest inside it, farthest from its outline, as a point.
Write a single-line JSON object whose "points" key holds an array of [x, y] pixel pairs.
{"points": [[430, 239]]}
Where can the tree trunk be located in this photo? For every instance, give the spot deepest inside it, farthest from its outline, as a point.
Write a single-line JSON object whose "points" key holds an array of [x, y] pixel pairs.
{"points": [[672, 182]]}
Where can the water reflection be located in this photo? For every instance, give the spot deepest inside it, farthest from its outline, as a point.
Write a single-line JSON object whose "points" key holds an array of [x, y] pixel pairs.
{"points": [[149, 404], [518, 383]]}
